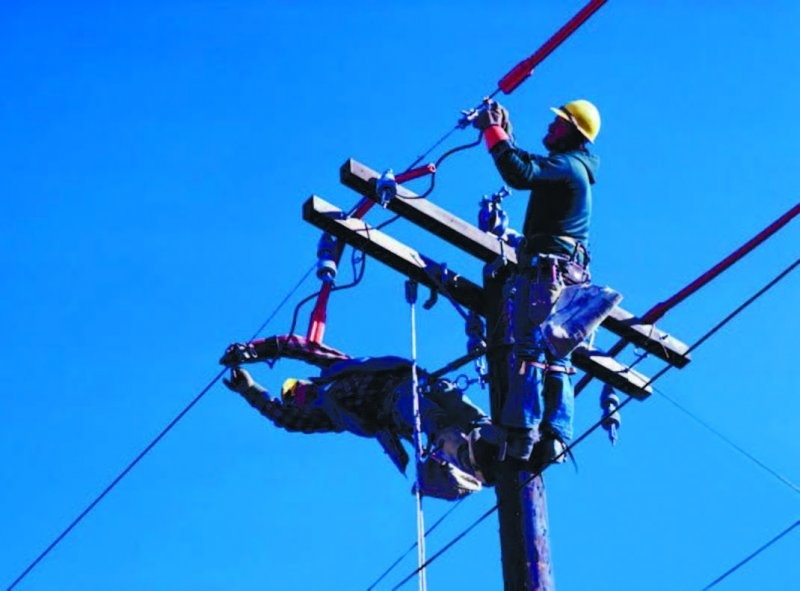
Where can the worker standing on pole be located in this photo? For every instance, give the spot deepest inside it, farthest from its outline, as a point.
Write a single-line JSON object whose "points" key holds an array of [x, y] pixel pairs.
{"points": [[553, 254]]}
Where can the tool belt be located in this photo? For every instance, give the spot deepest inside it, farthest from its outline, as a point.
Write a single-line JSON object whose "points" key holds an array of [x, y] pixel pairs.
{"points": [[551, 267], [573, 268]]}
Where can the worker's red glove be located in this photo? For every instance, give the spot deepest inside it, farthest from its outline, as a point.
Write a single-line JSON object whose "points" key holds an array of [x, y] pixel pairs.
{"points": [[505, 120], [493, 114], [494, 122], [489, 114]]}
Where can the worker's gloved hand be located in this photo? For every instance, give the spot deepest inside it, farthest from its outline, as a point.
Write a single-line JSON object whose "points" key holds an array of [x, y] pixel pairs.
{"points": [[239, 353], [240, 380], [490, 114], [506, 120], [493, 114]]}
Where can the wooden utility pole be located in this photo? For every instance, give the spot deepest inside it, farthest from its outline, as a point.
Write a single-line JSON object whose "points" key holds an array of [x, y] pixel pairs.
{"points": [[522, 508], [521, 503]]}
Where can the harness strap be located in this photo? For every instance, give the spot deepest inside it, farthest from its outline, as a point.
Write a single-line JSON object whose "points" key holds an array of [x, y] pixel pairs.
{"points": [[545, 367]]}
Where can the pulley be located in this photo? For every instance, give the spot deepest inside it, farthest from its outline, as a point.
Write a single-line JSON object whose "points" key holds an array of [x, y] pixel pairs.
{"points": [[475, 330]]}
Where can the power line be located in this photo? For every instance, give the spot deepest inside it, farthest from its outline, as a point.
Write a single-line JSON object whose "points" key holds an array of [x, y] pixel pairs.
{"points": [[594, 427], [746, 304], [114, 483], [414, 545], [147, 449], [745, 453], [751, 556]]}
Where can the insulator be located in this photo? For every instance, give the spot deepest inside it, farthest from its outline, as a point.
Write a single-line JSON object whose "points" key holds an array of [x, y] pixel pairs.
{"points": [[609, 402], [485, 215], [326, 258], [386, 187], [492, 217], [475, 331]]}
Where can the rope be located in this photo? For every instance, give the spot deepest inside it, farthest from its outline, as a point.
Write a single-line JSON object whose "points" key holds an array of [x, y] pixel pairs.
{"points": [[147, 449], [411, 297], [596, 425], [753, 555], [454, 506]]}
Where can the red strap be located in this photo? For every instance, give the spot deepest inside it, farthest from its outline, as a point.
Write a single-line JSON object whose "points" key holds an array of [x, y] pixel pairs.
{"points": [[545, 367], [494, 134]]}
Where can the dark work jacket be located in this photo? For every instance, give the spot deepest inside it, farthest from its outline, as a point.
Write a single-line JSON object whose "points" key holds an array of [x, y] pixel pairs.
{"points": [[561, 196]]}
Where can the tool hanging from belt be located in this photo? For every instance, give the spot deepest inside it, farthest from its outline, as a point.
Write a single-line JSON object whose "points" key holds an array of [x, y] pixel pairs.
{"points": [[550, 266], [532, 244]]}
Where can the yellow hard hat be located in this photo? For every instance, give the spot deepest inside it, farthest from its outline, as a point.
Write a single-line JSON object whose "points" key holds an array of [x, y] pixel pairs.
{"points": [[583, 115], [287, 390]]}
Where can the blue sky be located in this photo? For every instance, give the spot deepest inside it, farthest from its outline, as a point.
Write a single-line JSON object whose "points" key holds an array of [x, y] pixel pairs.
{"points": [[155, 158]]}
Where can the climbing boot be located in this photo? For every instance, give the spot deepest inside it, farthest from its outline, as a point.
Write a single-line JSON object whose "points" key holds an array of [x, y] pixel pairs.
{"points": [[520, 443], [548, 450], [487, 447]]}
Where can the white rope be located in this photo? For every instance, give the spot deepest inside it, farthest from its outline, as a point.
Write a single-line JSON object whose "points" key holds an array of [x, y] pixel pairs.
{"points": [[411, 296]]}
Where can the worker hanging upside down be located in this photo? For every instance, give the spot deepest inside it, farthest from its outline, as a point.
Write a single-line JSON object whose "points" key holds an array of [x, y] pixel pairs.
{"points": [[372, 397], [552, 279]]}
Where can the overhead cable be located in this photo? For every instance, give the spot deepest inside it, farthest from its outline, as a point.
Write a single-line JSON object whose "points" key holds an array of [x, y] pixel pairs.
{"points": [[745, 453], [149, 447], [751, 556], [413, 546]]}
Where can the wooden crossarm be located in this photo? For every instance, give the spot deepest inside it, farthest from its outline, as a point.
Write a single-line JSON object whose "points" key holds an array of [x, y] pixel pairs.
{"points": [[417, 266], [648, 337], [393, 253], [607, 369], [487, 248], [428, 215]]}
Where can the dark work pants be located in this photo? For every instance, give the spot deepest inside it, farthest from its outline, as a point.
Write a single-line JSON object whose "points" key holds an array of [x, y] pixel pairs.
{"points": [[537, 396]]}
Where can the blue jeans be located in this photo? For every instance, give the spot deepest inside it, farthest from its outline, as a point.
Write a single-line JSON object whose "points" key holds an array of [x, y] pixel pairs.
{"points": [[537, 397]]}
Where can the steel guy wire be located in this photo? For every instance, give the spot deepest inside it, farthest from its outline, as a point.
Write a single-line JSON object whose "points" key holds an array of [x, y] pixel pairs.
{"points": [[745, 453]]}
